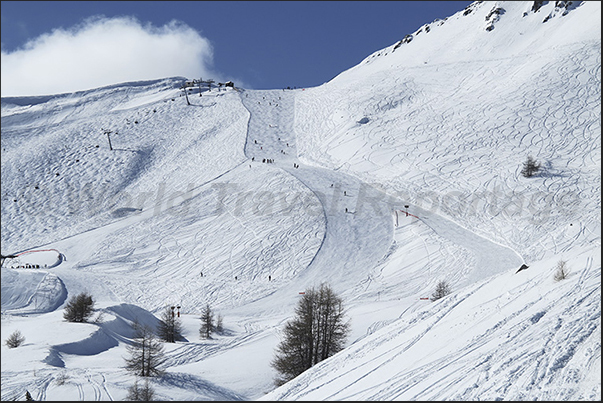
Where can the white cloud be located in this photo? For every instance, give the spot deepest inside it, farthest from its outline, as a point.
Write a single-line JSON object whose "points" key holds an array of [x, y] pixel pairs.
{"points": [[104, 51]]}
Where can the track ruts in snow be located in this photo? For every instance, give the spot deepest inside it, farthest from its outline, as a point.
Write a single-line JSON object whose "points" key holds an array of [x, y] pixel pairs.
{"points": [[356, 238], [359, 227]]}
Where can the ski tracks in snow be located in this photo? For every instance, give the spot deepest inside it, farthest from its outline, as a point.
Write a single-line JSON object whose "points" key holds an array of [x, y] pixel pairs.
{"points": [[359, 227], [359, 222]]}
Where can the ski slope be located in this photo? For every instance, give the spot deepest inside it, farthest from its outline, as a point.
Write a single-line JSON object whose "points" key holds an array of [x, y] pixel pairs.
{"points": [[538, 96], [185, 210], [518, 332]]}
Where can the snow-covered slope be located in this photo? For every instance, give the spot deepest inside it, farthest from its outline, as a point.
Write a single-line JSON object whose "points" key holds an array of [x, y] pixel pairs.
{"points": [[513, 337], [185, 210], [444, 119], [61, 177], [452, 115]]}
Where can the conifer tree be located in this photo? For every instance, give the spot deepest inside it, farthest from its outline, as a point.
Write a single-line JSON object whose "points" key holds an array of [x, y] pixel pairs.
{"points": [[219, 324], [79, 308], [141, 393], [442, 289], [530, 167], [318, 331], [170, 326], [207, 322], [146, 353], [15, 339], [561, 271]]}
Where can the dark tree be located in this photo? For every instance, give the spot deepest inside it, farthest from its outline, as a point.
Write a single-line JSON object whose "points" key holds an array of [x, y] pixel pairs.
{"points": [[318, 331], [138, 393], [442, 289], [15, 339], [207, 322], [146, 353], [28, 396], [79, 308], [530, 167], [219, 324], [561, 271], [170, 326]]}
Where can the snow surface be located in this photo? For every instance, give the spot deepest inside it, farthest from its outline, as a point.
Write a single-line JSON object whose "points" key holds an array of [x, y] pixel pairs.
{"points": [[182, 211]]}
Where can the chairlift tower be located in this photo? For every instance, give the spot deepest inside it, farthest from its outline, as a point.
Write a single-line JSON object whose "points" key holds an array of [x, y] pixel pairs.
{"points": [[108, 132], [199, 82]]}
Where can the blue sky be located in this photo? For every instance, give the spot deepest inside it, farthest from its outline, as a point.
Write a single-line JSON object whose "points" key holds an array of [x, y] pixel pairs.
{"points": [[259, 44]]}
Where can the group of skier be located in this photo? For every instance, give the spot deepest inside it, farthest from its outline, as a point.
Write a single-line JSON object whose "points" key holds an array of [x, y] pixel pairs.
{"points": [[271, 160]]}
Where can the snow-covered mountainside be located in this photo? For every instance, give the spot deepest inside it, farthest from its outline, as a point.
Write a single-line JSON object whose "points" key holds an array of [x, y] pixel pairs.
{"points": [[452, 115], [242, 199]]}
